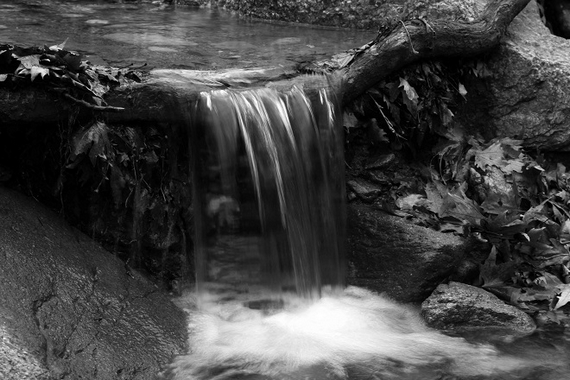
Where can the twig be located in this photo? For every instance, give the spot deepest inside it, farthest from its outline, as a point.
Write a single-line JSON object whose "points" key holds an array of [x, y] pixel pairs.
{"points": [[409, 38], [93, 106]]}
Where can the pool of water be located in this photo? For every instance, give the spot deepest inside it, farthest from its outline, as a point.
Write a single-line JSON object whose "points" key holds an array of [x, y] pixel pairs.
{"points": [[181, 37], [355, 335]]}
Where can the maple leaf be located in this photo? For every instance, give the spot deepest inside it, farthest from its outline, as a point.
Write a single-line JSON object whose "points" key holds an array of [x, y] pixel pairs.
{"points": [[491, 156], [92, 141], [37, 70], [459, 206], [29, 61], [509, 166]]}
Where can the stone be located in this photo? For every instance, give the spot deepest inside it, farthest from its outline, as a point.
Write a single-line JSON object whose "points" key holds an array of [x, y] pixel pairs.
{"points": [[364, 190], [72, 310], [390, 255], [458, 306], [525, 95]]}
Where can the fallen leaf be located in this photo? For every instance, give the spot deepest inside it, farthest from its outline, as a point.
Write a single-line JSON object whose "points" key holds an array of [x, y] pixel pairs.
{"points": [[509, 166], [410, 201], [462, 90], [58, 47], [493, 274], [492, 156], [29, 61], [564, 296], [37, 70]]}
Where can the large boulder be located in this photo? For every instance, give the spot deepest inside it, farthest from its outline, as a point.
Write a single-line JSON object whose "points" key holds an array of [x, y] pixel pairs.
{"points": [[525, 95], [458, 306], [71, 310], [391, 255]]}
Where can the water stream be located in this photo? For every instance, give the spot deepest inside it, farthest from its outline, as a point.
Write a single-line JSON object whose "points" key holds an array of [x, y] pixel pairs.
{"points": [[190, 38], [269, 208], [269, 192], [271, 304]]}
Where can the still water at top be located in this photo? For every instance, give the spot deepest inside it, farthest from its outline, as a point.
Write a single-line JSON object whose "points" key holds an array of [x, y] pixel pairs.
{"points": [[190, 38]]}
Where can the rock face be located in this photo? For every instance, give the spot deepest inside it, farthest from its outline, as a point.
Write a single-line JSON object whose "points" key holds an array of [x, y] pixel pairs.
{"points": [[71, 310], [457, 306], [526, 95], [405, 261]]}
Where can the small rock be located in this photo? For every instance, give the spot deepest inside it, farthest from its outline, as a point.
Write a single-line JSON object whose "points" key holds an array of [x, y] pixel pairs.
{"points": [[365, 191], [379, 177], [459, 307]]}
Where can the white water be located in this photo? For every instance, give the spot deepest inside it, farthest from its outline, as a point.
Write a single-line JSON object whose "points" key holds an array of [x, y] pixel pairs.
{"points": [[354, 331], [278, 256]]}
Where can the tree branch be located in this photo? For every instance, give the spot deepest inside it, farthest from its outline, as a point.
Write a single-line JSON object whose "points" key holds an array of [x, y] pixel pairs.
{"points": [[412, 41], [93, 106]]}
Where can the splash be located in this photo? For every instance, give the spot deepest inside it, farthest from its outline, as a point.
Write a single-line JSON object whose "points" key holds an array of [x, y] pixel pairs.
{"points": [[270, 302], [351, 334]]}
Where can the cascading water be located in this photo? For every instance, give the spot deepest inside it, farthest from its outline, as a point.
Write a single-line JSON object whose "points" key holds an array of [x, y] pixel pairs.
{"points": [[269, 194], [269, 207]]}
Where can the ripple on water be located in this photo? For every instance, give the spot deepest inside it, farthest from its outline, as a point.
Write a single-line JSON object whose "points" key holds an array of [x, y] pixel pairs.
{"points": [[96, 22], [235, 45], [162, 49], [148, 39], [286, 41]]}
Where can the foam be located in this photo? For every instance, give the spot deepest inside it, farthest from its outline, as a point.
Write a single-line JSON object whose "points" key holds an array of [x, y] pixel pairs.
{"points": [[352, 328]]}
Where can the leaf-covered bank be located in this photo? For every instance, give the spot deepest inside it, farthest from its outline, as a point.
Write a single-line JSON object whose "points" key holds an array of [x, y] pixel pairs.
{"points": [[125, 185]]}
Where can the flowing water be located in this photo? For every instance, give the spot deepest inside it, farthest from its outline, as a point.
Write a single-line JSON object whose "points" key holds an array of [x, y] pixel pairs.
{"points": [[270, 302], [190, 38], [269, 192]]}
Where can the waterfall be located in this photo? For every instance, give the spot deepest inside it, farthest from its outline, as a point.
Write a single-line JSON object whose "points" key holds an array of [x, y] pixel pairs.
{"points": [[270, 220], [268, 194]]}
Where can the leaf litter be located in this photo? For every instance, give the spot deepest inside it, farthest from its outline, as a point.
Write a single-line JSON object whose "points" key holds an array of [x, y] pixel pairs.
{"points": [[519, 204]]}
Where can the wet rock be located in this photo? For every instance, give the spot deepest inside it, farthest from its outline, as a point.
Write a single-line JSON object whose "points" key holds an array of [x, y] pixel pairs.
{"points": [[364, 190], [72, 310], [391, 255], [459, 306], [525, 95]]}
